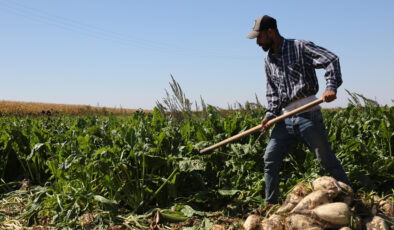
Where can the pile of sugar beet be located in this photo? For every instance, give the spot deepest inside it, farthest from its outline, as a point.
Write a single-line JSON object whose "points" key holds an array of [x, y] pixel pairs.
{"points": [[325, 204]]}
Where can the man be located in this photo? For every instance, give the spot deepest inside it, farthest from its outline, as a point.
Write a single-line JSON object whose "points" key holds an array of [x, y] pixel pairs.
{"points": [[291, 82]]}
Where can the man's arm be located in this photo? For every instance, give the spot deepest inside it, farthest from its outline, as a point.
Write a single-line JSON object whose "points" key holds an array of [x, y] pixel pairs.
{"points": [[273, 99], [323, 58]]}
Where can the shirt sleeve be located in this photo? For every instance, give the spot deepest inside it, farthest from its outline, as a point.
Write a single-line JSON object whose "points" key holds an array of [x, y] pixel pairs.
{"points": [[323, 58], [272, 95]]}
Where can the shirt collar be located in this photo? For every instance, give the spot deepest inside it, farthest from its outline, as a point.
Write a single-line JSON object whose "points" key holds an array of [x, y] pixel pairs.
{"points": [[281, 48]]}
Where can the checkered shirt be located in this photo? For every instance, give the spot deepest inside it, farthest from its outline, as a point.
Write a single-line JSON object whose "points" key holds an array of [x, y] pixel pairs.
{"points": [[292, 76]]}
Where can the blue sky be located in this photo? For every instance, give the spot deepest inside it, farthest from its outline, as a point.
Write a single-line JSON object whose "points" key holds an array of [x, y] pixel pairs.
{"points": [[121, 53]]}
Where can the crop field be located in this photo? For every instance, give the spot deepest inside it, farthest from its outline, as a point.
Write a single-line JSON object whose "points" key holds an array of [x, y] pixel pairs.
{"points": [[144, 170], [47, 109]]}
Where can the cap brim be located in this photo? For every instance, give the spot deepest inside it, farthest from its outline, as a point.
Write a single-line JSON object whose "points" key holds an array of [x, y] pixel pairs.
{"points": [[253, 34]]}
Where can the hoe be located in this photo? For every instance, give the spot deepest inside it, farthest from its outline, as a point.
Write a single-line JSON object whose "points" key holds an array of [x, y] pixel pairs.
{"points": [[259, 127]]}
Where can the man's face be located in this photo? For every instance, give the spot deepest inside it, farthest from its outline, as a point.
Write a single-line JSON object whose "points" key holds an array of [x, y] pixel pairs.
{"points": [[264, 40]]}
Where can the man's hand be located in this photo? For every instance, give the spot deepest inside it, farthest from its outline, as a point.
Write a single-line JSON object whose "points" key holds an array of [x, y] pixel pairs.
{"points": [[329, 96], [265, 125]]}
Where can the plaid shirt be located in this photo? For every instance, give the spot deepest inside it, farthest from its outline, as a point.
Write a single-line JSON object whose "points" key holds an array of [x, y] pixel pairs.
{"points": [[292, 75]]}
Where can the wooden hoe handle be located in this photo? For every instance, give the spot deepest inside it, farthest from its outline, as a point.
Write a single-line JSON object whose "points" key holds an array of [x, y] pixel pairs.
{"points": [[259, 127]]}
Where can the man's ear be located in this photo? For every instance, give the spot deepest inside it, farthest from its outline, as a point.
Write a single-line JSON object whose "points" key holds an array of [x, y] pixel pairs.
{"points": [[271, 32]]}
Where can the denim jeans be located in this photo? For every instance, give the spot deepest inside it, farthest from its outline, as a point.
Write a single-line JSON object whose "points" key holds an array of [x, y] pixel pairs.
{"points": [[309, 128]]}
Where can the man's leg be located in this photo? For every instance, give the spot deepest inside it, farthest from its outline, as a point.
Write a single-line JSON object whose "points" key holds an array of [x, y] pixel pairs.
{"points": [[277, 148], [313, 133]]}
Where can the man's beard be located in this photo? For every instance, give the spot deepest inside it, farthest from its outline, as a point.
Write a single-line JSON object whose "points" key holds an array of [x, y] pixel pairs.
{"points": [[267, 46]]}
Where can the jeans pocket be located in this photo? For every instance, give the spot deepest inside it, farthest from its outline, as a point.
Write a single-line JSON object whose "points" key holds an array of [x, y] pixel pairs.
{"points": [[314, 116], [317, 116]]}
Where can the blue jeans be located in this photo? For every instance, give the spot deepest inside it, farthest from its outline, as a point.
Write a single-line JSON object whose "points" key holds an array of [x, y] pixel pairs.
{"points": [[309, 128]]}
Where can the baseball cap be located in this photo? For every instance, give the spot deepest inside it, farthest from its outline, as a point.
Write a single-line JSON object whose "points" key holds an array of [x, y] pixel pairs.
{"points": [[262, 23]]}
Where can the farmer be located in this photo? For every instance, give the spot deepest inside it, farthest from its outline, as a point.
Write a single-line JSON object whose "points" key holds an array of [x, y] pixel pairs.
{"points": [[291, 82]]}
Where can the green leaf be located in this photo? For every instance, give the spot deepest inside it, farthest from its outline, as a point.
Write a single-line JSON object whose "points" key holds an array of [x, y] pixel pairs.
{"points": [[104, 200], [189, 211], [189, 165], [35, 149], [173, 215], [228, 192]]}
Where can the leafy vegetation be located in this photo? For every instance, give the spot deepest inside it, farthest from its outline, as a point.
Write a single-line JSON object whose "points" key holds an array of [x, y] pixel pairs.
{"points": [[116, 169]]}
